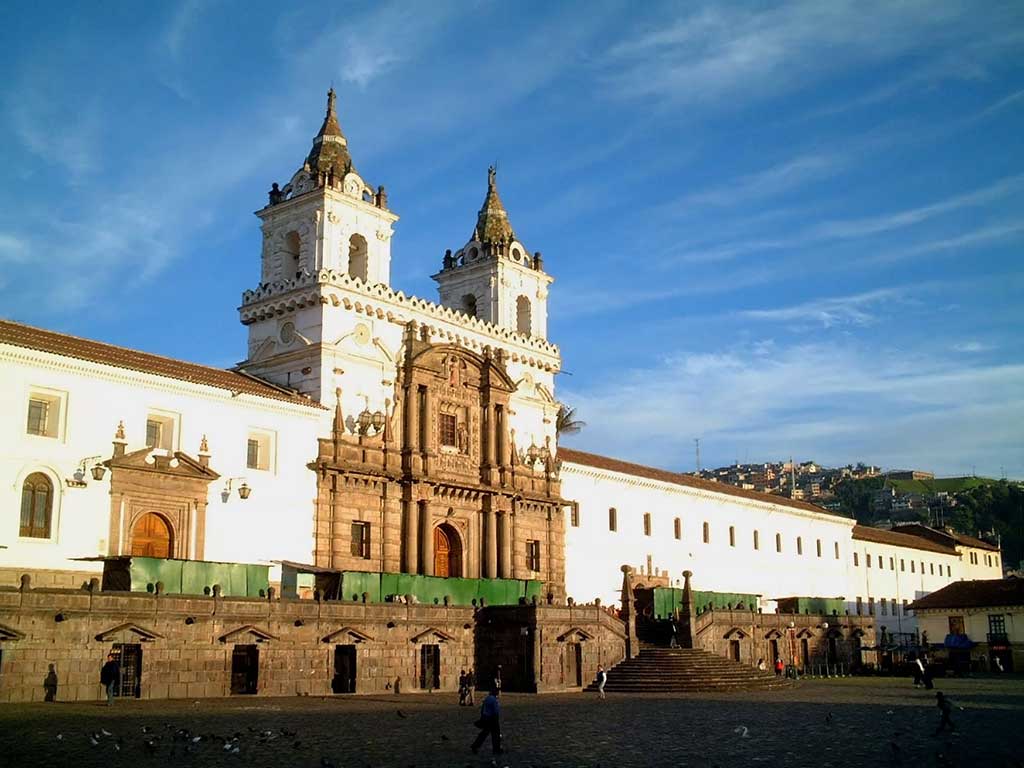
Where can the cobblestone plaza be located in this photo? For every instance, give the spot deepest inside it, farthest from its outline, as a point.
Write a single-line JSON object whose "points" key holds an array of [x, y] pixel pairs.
{"points": [[821, 723]]}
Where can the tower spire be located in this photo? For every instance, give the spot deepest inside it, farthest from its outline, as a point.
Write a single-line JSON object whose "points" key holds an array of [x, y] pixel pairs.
{"points": [[329, 157], [492, 224]]}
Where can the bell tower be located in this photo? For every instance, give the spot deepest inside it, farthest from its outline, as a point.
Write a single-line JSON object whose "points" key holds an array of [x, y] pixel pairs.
{"points": [[493, 276], [326, 226]]}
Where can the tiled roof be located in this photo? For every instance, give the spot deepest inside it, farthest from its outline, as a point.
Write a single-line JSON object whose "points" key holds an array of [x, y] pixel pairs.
{"points": [[882, 536], [970, 541], [947, 537], [982, 593], [678, 478], [26, 336]]}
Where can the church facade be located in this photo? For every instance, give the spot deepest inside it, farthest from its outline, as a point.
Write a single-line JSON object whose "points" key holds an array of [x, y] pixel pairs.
{"points": [[372, 431]]}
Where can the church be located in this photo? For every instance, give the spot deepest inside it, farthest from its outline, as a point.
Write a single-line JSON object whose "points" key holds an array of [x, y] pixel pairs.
{"points": [[378, 439]]}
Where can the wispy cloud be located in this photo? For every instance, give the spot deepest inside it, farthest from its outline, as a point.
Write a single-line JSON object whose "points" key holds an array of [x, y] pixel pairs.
{"points": [[173, 43], [778, 179], [830, 312], [833, 402], [972, 347]]}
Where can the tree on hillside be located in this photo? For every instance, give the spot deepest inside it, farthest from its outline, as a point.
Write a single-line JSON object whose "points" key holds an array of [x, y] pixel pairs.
{"points": [[566, 422]]}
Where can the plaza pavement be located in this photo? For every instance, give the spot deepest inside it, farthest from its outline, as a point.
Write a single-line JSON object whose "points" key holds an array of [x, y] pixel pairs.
{"points": [[875, 722]]}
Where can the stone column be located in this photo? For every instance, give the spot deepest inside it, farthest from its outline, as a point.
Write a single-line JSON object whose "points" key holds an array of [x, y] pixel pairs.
{"points": [[410, 529], [501, 436], [490, 545], [687, 614], [487, 444], [629, 613], [411, 427], [426, 540], [504, 545]]}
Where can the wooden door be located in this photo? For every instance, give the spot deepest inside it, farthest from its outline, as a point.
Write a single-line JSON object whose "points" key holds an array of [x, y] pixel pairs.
{"points": [[442, 552], [151, 537], [129, 656], [734, 650], [573, 664], [430, 667]]}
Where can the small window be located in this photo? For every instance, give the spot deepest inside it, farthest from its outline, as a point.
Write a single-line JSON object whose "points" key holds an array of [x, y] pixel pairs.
{"points": [[43, 414], [707, 533], [613, 519], [36, 506], [449, 430], [678, 526], [931, 566], [892, 563], [895, 607], [860, 606], [799, 545], [574, 515], [997, 624], [884, 607], [647, 523], [259, 448], [903, 565], [867, 559], [913, 566], [922, 567], [837, 550], [881, 563], [778, 542], [819, 547], [871, 606], [160, 431], [732, 536], [361, 540], [757, 540], [949, 570], [533, 555], [906, 608], [524, 323], [856, 560]]}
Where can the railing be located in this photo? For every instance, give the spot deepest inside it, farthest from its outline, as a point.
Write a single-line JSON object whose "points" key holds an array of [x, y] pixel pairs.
{"points": [[997, 638]]}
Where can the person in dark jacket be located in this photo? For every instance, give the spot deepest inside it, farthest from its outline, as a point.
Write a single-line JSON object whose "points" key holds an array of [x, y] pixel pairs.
{"points": [[489, 723], [110, 676], [945, 708], [50, 684]]}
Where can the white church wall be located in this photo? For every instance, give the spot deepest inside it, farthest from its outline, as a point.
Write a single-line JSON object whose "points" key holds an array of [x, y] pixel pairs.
{"points": [[275, 522], [594, 554]]}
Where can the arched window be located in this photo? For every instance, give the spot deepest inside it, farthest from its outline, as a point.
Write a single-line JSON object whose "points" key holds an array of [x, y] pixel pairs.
{"points": [[524, 322], [469, 304], [292, 255], [358, 258], [36, 506]]}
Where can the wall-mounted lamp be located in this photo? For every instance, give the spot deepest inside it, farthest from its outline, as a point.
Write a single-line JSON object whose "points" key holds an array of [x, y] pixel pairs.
{"points": [[243, 489], [97, 470]]}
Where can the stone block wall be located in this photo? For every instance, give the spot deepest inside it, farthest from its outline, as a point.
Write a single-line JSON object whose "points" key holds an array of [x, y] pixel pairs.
{"points": [[844, 635], [187, 643]]}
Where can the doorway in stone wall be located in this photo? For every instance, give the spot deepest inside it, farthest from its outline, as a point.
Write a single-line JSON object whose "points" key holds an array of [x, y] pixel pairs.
{"points": [[245, 669], [734, 650], [447, 551], [129, 656], [430, 667], [775, 650], [573, 664], [344, 680], [805, 651], [151, 537]]}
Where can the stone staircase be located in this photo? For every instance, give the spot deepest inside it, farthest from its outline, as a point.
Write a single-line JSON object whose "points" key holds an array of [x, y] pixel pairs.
{"points": [[674, 670]]}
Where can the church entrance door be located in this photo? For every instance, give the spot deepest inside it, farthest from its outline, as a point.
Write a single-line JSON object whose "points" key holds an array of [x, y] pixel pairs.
{"points": [[151, 537], [447, 551]]}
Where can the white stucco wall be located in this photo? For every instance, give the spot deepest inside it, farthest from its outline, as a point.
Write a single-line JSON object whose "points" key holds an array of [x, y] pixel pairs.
{"points": [[275, 522], [594, 554]]}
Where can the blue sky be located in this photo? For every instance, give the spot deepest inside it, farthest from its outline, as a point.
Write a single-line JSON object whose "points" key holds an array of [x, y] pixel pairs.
{"points": [[785, 229]]}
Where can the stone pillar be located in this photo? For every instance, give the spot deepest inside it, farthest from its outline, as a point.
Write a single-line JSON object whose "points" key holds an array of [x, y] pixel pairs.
{"points": [[411, 427], [426, 540], [504, 545], [687, 613], [410, 531], [629, 613], [490, 545], [487, 444], [500, 436], [425, 417]]}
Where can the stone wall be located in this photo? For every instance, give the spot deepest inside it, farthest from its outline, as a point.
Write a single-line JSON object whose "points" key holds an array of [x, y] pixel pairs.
{"points": [[839, 641], [187, 643]]}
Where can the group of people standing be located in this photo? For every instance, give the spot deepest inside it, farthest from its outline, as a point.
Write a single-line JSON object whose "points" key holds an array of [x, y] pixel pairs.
{"points": [[467, 684]]}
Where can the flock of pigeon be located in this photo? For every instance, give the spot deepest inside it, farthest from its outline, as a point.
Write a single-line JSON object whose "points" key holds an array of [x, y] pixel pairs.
{"points": [[172, 741]]}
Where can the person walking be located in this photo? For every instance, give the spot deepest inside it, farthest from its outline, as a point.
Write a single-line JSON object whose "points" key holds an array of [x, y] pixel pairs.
{"points": [[918, 671], [470, 687], [602, 678], [50, 684], [110, 675], [779, 666], [946, 709], [462, 688], [489, 723]]}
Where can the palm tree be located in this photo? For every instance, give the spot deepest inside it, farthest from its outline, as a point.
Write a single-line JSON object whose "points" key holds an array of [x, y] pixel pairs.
{"points": [[566, 422]]}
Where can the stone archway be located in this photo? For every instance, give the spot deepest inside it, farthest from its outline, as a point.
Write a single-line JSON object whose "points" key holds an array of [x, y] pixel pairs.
{"points": [[152, 537], [447, 551]]}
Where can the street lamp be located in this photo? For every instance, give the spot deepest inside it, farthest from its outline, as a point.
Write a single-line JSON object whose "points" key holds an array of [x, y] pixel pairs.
{"points": [[243, 489], [97, 470]]}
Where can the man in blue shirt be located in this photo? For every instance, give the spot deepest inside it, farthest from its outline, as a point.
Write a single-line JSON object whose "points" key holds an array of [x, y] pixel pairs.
{"points": [[489, 723]]}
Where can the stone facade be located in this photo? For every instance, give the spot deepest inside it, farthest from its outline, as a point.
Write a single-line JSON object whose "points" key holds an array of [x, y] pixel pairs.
{"points": [[188, 645]]}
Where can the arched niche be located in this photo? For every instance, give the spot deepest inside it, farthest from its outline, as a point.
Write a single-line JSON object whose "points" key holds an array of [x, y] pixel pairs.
{"points": [[524, 318], [358, 258]]}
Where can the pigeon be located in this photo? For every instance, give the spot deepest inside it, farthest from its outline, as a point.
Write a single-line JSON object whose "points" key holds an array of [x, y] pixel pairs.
{"points": [[196, 739], [60, 737], [444, 738], [117, 747], [235, 751], [402, 714], [741, 730], [146, 729], [92, 740], [325, 763], [828, 719], [297, 745], [105, 732]]}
